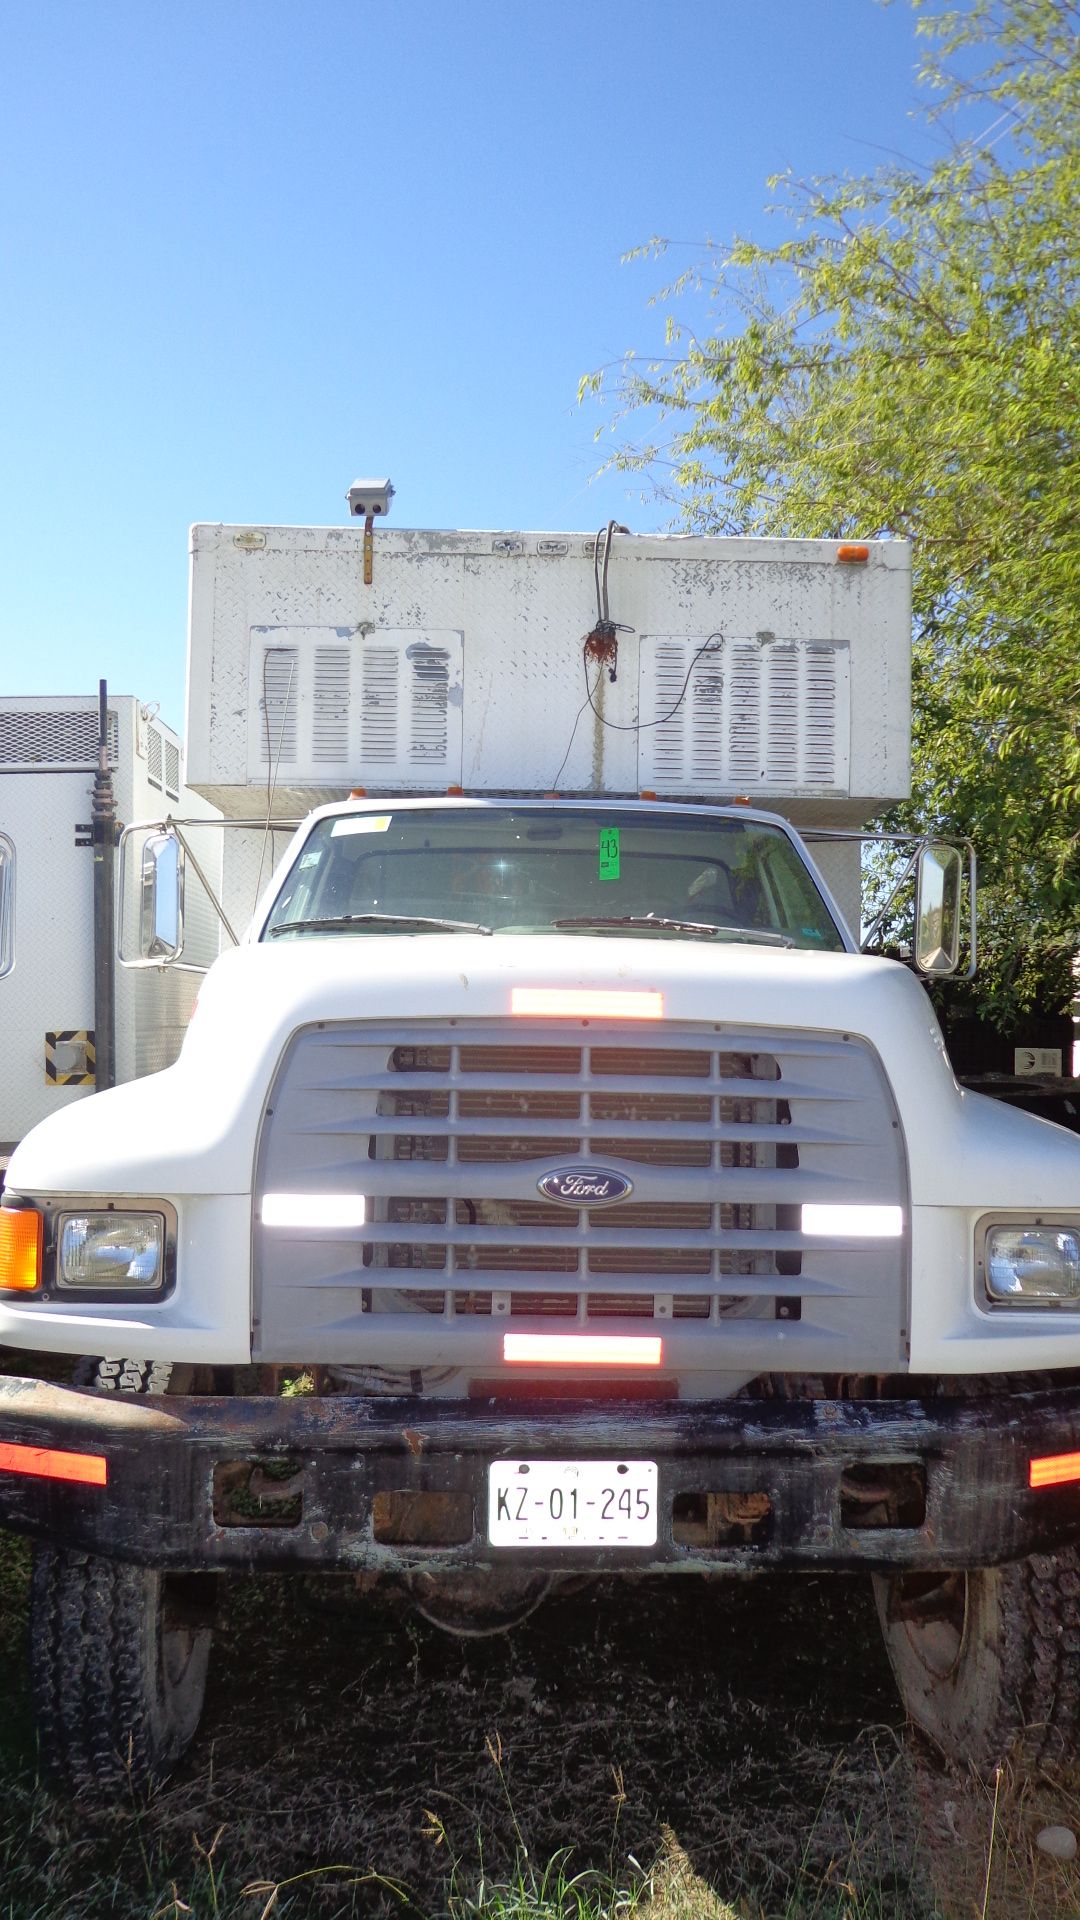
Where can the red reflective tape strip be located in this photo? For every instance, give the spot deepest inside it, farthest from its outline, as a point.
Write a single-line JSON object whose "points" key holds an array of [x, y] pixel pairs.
{"points": [[581, 1350], [46, 1463], [1054, 1470], [611, 1003]]}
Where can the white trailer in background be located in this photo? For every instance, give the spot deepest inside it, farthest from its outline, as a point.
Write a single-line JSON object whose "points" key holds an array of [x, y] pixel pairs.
{"points": [[548, 1184], [49, 755]]}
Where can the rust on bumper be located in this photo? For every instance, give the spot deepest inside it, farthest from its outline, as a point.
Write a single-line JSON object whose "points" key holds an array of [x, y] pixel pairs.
{"points": [[789, 1476]]}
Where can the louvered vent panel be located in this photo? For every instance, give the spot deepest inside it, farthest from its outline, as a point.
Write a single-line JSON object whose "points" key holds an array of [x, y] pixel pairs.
{"points": [[345, 704], [379, 706], [153, 756], [429, 686], [172, 770], [278, 705], [330, 720], [782, 716], [821, 713], [743, 713], [33, 737], [410, 707]]}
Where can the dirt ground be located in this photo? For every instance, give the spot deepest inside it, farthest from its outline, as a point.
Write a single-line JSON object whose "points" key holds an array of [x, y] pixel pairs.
{"points": [[732, 1715], [747, 1728]]}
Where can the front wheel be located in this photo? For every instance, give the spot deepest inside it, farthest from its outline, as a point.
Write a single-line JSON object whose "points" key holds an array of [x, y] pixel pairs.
{"points": [[986, 1659], [118, 1654], [118, 1660]]}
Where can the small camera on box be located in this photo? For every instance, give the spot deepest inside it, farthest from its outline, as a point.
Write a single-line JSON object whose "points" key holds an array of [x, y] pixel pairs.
{"points": [[369, 498]]}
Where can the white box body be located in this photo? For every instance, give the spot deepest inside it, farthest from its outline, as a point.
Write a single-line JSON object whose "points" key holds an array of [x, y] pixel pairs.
{"points": [[766, 668]]}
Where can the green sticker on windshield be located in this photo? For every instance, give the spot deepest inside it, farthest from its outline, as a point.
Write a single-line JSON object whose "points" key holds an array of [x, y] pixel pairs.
{"points": [[609, 853]]}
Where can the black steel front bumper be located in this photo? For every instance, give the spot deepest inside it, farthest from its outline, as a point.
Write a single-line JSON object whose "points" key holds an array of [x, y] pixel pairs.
{"points": [[163, 1459]]}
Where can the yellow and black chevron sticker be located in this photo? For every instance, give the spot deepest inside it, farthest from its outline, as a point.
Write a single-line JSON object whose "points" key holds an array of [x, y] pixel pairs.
{"points": [[69, 1057]]}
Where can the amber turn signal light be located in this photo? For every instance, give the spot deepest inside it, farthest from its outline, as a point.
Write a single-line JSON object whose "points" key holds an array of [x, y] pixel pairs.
{"points": [[20, 1249], [1054, 1470]]}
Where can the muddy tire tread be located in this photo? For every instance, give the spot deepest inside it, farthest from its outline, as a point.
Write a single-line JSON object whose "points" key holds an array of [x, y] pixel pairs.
{"points": [[1046, 1604], [87, 1624], [106, 1729], [1017, 1684]]}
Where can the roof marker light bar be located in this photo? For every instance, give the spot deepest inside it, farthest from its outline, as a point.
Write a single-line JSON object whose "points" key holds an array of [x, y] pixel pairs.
{"points": [[853, 1222], [582, 1350], [601, 1003], [314, 1209], [1054, 1470], [45, 1463]]}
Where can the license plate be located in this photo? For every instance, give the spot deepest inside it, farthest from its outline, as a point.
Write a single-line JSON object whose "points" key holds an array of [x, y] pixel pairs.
{"points": [[572, 1503]]}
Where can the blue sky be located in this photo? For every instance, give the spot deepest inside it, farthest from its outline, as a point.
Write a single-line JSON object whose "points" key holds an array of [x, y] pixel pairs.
{"points": [[250, 251]]}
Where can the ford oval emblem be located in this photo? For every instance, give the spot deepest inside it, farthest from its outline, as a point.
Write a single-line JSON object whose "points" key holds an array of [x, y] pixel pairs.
{"points": [[584, 1186]]}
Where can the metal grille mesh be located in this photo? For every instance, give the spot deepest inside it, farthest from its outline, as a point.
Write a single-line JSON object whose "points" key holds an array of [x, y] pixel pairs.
{"points": [[58, 737]]}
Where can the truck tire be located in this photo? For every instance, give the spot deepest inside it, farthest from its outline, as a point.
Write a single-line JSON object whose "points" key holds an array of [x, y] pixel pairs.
{"points": [[118, 1672], [989, 1659], [129, 1376], [118, 1653]]}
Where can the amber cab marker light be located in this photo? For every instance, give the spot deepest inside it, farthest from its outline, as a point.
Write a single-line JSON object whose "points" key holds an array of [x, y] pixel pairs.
{"points": [[1054, 1470], [852, 556], [20, 1250], [357, 793], [48, 1463], [582, 1350], [587, 1003]]}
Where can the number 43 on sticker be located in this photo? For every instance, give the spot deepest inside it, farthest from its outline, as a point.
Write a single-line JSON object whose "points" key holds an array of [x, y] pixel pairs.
{"points": [[609, 853]]}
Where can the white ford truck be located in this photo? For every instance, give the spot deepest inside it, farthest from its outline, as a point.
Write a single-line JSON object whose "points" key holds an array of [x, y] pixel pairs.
{"points": [[548, 1183]]}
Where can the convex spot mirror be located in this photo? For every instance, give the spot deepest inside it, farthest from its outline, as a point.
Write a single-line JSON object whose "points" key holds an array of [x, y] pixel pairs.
{"points": [[939, 878], [161, 919]]}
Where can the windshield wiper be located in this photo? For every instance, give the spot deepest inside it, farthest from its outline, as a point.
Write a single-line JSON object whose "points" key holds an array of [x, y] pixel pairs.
{"points": [[339, 920], [759, 935]]}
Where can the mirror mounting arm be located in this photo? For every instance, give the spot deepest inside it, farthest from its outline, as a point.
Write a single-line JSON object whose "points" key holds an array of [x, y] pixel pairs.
{"points": [[171, 826]]}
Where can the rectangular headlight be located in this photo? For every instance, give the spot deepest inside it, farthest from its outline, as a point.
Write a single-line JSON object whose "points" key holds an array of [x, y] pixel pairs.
{"points": [[110, 1252], [1032, 1264]]}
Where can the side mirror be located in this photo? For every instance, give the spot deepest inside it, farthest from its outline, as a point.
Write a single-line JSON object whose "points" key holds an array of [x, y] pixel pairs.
{"points": [[938, 888], [161, 900]]}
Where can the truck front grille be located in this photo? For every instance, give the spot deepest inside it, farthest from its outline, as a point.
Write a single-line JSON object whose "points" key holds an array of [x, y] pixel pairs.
{"points": [[446, 1132]]}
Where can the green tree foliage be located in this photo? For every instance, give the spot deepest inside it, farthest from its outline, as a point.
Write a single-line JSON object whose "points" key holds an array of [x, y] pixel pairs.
{"points": [[906, 361]]}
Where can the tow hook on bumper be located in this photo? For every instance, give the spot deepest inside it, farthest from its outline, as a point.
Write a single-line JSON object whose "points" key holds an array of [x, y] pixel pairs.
{"points": [[379, 1484]]}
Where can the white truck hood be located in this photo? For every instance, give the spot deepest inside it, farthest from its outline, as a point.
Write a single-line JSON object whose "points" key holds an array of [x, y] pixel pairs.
{"points": [[194, 1128]]}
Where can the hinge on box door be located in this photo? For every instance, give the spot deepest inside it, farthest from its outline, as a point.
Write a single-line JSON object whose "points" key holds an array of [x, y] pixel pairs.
{"points": [[84, 834]]}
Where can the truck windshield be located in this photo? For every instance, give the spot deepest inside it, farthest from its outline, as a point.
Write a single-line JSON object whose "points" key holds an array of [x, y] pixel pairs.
{"points": [[516, 869]]}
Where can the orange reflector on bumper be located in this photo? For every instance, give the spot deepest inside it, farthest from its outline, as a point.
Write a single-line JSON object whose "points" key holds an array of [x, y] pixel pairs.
{"points": [[1054, 1470], [582, 1350], [44, 1463], [20, 1249], [587, 1003]]}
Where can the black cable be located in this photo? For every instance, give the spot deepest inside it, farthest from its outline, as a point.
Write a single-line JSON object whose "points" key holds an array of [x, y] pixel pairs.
{"points": [[612, 527], [596, 574], [639, 726], [573, 731], [633, 726], [603, 613]]}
